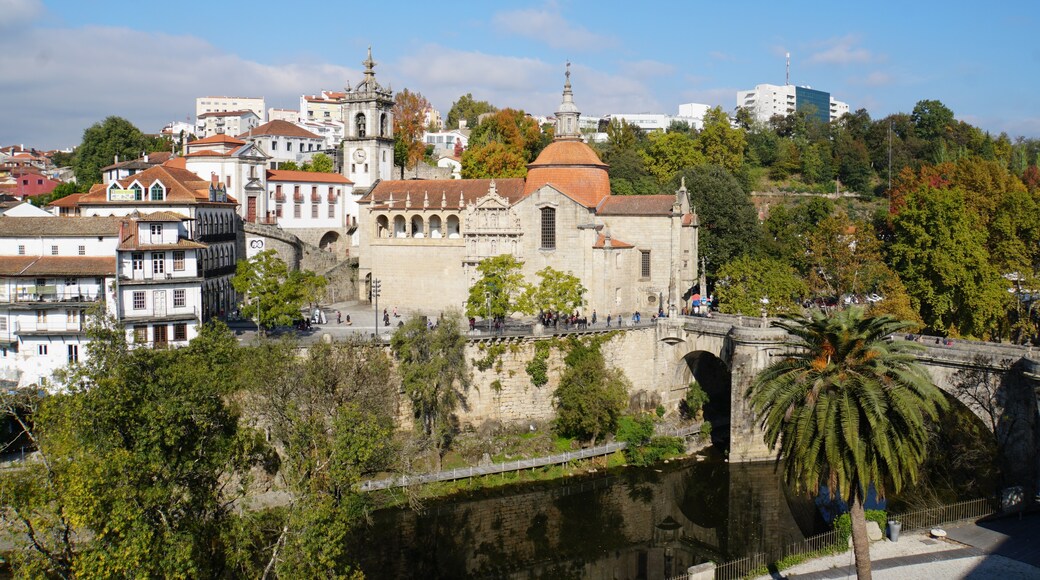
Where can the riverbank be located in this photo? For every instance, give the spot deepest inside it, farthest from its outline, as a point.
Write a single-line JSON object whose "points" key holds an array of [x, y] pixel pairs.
{"points": [[1004, 548]]}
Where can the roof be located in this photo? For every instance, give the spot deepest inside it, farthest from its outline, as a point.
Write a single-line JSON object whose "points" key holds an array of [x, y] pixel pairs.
{"points": [[182, 186], [636, 205], [306, 176], [57, 265], [238, 113], [601, 243], [574, 169], [417, 190], [280, 128], [218, 138], [13, 227], [161, 216]]}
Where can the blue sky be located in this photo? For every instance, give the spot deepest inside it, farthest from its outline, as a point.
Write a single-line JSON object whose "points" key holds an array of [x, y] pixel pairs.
{"points": [[68, 63]]}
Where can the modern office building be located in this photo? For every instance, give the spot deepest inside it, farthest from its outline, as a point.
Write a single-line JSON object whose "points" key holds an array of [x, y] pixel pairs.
{"points": [[765, 101]]}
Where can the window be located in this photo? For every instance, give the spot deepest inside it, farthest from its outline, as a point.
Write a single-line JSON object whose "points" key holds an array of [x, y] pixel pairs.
{"points": [[82, 250], [3, 324], [548, 228], [296, 211], [288, 145], [157, 191], [41, 349], [73, 353], [156, 229], [314, 211], [278, 211], [137, 259], [160, 334], [138, 192], [41, 317], [359, 123], [54, 250], [178, 260], [178, 298], [71, 318], [139, 300], [328, 114], [140, 334], [332, 210], [644, 263], [274, 146], [71, 281], [180, 332], [21, 249], [158, 262]]}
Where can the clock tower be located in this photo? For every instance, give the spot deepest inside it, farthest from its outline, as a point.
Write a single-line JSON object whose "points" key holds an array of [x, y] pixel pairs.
{"points": [[368, 129]]}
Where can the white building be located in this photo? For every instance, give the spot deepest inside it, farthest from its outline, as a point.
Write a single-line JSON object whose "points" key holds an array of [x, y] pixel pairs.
{"points": [[291, 115], [205, 105], [226, 123], [444, 142], [330, 131], [326, 106], [765, 101], [283, 141], [142, 269], [319, 208]]}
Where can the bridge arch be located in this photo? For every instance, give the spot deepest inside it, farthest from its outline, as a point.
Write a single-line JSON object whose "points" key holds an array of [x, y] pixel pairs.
{"points": [[714, 377]]}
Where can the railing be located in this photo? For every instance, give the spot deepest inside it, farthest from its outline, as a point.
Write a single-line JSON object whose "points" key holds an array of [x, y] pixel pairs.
{"points": [[916, 520], [517, 465]]}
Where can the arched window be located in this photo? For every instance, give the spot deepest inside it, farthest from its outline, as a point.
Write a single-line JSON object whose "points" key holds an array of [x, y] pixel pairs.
{"points": [[453, 226], [417, 227], [548, 228], [435, 226], [157, 191], [138, 191], [382, 227], [359, 123], [399, 227], [382, 125]]}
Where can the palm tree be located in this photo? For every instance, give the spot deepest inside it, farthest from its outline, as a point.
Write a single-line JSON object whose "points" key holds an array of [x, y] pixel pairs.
{"points": [[848, 407]]}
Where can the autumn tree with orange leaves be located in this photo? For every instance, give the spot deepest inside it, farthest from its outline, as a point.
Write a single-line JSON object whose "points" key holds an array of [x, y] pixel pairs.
{"points": [[410, 124]]}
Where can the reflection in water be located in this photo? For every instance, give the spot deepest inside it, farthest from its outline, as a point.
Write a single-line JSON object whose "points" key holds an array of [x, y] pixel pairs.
{"points": [[631, 524]]}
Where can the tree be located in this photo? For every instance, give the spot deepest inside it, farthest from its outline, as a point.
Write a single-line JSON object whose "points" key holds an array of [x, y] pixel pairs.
{"points": [[103, 142], [289, 166], [410, 124], [590, 397], [748, 285], [434, 375], [501, 283], [843, 257], [938, 250], [729, 222], [668, 153], [494, 160], [468, 109], [513, 128], [274, 295], [556, 291], [931, 119], [719, 142], [140, 453], [321, 163], [628, 174], [848, 409]]}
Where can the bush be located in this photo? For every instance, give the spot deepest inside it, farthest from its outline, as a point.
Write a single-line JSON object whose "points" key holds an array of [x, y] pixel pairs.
{"points": [[695, 399], [843, 524], [706, 430]]}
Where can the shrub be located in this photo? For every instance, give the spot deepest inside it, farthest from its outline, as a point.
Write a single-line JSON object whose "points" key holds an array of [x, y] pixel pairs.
{"points": [[695, 399], [843, 524]]}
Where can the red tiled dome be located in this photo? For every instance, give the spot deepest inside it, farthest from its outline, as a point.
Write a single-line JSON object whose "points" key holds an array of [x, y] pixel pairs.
{"points": [[573, 168]]}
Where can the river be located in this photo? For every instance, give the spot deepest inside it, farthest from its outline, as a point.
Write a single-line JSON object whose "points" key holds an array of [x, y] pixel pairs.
{"points": [[629, 523]]}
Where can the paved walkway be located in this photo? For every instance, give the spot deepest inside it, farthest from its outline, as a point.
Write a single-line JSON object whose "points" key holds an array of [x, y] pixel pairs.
{"points": [[1007, 549]]}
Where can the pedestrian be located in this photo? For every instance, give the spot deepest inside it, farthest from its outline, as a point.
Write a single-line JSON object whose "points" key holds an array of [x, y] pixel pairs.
{"points": [[593, 317], [608, 320], [396, 315], [339, 317], [348, 320]]}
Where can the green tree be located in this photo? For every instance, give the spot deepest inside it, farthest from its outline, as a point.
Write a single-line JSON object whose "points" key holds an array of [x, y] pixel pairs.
{"points": [[289, 166], [668, 153], [847, 409], [939, 251], [729, 222], [469, 109], [410, 124], [321, 163], [140, 450], [557, 291], [434, 375], [719, 142], [513, 128], [501, 282], [748, 285], [102, 143], [932, 119], [273, 294], [590, 397], [493, 160]]}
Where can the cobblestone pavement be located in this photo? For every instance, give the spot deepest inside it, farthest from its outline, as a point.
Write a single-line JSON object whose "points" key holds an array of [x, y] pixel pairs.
{"points": [[1007, 549]]}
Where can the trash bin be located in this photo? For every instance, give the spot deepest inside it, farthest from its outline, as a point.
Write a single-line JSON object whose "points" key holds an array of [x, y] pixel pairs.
{"points": [[893, 530]]}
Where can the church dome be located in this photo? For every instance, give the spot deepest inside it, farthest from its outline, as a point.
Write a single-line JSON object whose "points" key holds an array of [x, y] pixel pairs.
{"points": [[574, 169]]}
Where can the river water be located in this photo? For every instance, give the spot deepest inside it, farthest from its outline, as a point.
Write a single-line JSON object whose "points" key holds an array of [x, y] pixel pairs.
{"points": [[629, 523]]}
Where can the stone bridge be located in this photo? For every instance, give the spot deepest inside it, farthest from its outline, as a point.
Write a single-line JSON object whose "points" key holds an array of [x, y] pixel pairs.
{"points": [[999, 383]]}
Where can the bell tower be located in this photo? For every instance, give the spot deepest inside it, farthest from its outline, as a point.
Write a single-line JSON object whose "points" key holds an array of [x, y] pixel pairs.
{"points": [[368, 130]]}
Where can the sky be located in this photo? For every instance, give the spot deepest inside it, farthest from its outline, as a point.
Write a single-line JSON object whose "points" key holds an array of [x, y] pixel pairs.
{"points": [[66, 64]]}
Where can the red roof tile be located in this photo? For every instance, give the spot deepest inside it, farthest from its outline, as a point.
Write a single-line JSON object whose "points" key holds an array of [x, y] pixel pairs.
{"points": [[31, 266], [449, 189], [218, 138], [280, 128], [306, 176], [636, 205], [182, 186], [601, 243], [574, 169]]}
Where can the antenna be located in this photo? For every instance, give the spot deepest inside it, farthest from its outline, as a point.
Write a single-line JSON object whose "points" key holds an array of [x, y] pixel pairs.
{"points": [[787, 81]]}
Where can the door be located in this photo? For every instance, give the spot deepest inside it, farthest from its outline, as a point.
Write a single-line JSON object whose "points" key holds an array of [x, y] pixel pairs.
{"points": [[251, 209], [159, 303], [160, 334]]}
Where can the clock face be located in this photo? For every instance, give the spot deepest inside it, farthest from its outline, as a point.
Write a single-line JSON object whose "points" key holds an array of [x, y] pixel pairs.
{"points": [[359, 155]]}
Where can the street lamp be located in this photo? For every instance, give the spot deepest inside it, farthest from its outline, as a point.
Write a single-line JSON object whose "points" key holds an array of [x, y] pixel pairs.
{"points": [[376, 285]]}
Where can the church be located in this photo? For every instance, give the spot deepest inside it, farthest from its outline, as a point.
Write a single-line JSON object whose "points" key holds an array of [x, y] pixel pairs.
{"points": [[423, 239]]}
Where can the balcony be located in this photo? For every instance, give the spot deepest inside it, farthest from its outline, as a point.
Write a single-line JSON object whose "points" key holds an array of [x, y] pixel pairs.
{"points": [[53, 329], [52, 295]]}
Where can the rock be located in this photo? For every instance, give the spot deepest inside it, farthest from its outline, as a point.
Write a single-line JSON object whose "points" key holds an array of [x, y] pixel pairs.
{"points": [[874, 531], [705, 571]]}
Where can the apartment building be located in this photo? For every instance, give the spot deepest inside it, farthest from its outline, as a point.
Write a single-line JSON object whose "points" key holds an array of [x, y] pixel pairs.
{"points": [[766, 100], [205, 105]]}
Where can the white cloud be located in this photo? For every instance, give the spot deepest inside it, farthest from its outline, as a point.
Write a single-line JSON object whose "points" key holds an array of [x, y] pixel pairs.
{"points": [[547, 25], [69, 79], [645, 69], [16, 12], [841, 51]]}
